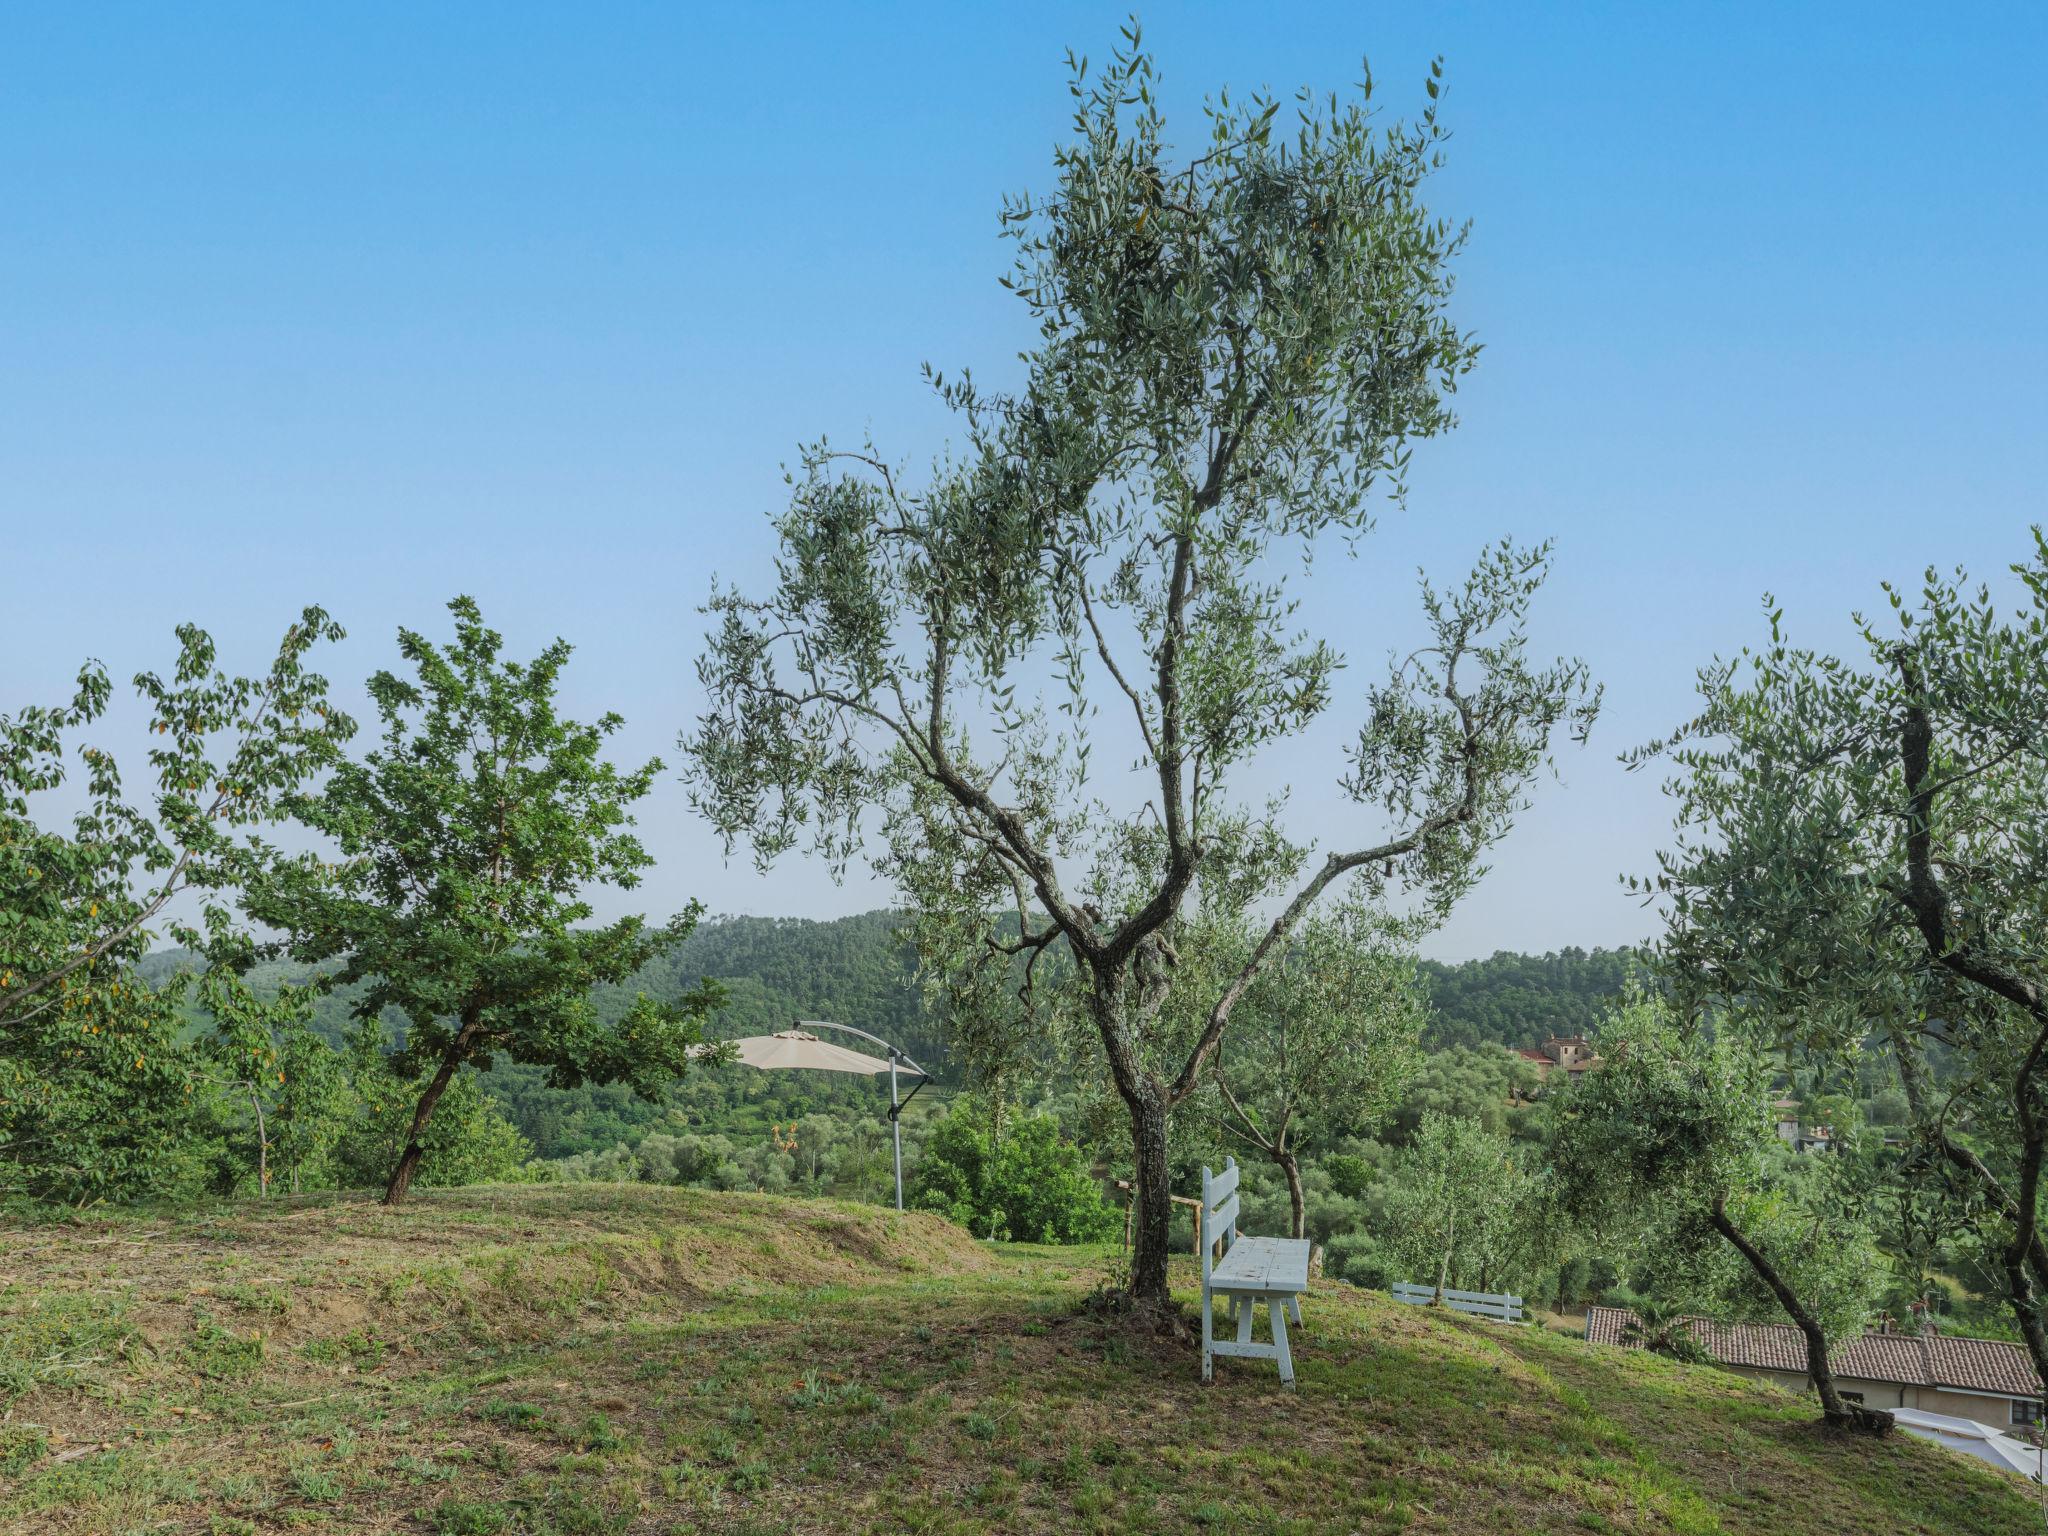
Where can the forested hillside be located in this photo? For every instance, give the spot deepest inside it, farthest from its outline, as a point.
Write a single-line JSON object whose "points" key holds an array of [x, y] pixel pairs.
{"points": [[856, 970], [1510, 999], [853, 970]]}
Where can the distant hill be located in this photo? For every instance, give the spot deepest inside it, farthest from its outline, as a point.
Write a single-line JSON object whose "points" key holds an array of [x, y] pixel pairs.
{"points": [[1511, 999], [853, 970], [856, 970]]}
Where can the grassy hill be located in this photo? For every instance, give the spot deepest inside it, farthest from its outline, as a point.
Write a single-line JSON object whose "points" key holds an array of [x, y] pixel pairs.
{"points": [[599, 1358]]}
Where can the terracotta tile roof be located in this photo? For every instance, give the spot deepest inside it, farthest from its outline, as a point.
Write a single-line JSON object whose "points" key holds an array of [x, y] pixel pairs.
{"points": [[1909, 1359], [1604, 1325], [1899, 1357], [1761, 1346], [1983, 1365]]}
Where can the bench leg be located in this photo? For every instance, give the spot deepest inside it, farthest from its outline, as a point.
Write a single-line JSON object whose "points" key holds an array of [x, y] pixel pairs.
{"points": [[1294, 1310], [1279, 1316], [1208, 1334], [1244, 1306]]}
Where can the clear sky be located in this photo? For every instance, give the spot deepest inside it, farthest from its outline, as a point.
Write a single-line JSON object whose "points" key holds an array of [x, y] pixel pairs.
{"points": [[373, 304]]}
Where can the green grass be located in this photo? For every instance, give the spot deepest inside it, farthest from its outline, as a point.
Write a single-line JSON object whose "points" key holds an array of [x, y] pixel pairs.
{"points": [[592, 1360]]}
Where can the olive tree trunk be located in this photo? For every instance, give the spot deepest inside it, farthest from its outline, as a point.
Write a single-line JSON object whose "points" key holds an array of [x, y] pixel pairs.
{"points": [[1818, 1368], [1290, 1165], [1147, 1102]]}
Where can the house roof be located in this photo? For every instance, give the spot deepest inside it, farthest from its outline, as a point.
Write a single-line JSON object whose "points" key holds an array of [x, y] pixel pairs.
{"points": [[1908, 1359]]}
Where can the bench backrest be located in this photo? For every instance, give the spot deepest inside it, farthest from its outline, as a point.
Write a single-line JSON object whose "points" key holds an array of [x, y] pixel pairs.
{"points": [[1219, 1213], [1507, 1309]]}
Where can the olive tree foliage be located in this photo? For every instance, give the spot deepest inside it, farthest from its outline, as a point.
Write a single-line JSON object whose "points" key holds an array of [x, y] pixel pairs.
{"points": [[1235, 352], [1666, 1153], [97, 1084], [1469, 1206], [1862, 849], [467, 840], [1324, 1039]]}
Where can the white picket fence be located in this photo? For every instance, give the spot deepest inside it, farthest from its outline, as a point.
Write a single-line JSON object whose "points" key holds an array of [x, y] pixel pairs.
{"points": [[1503, 1309]]}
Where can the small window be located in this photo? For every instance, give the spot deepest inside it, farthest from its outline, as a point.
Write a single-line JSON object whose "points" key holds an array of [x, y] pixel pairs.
{"points": [[1851, 1397], [2026, 1410]]}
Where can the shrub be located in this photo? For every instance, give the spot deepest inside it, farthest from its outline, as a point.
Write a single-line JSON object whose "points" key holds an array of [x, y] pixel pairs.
{"points": [[1029, 1184], [469, 1140]]}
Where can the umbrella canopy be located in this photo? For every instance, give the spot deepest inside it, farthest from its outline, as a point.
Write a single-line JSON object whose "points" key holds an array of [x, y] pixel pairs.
{"points": [[801, 1048], [1973, 1439]]}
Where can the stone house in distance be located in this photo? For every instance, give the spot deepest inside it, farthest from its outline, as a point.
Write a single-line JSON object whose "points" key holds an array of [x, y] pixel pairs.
{"points": [[1569, 1054], [1988, 1380]]}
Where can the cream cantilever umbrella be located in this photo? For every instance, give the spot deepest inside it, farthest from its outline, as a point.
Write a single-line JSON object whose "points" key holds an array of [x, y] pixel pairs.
{"points": [[799, 1047]]}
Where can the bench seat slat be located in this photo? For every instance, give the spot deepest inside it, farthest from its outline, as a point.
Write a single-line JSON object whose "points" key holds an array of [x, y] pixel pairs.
{"points": [[1263, 1264]]}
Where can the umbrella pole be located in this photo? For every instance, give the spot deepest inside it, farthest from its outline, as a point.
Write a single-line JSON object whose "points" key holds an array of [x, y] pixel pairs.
{"points": [[896, 1128]]}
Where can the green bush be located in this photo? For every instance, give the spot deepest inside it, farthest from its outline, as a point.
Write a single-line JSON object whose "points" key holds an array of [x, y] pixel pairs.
{"points": [[1027, 1185], [469, 1140]]}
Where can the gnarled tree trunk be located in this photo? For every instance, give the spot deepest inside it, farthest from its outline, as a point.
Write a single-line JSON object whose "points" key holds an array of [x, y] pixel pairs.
{"points": [[1145, 1099], [1818, 1368], [1153, 1194]]}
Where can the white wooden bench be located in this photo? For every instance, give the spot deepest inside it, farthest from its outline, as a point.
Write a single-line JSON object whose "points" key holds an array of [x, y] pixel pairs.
{"points": [[1250, 1270], [1502, 1309]]}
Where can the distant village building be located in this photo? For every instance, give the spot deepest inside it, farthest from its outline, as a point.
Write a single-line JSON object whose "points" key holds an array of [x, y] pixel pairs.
{"points": [[1800, 1137], [1787, 1111], [1989, 1381], [1571, 1054]]}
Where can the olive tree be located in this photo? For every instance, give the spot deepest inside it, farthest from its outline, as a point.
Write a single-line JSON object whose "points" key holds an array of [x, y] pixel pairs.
{"points": [[1862, 850], [1667, 1149], [1235, 352], [1324, 1039], [1465, 1204]]}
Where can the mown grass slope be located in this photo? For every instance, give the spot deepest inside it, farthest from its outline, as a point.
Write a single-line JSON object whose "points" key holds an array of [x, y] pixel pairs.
{"points": [[605, 1359]]}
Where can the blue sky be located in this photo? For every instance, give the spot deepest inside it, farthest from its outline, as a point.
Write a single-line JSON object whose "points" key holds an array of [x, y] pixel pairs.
{"points": [[376, 304]]}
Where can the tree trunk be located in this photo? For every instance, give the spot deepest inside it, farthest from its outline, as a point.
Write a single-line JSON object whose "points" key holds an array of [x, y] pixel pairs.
{"points": [[1152, 1197], [1818, 1369], [409, 1161], [1146, 1101], [1443, 1270], [2026, 1256], [2026, 1304], [262, 1145], [1291, 1166]]}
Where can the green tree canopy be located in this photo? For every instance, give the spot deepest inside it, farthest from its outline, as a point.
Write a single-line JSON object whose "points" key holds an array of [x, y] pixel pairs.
{"points": [[467, 838], [97, 1092], [1467, 1207], [1325, 1037], [1666, 1150], [1236, 350], [1864, 848]]}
